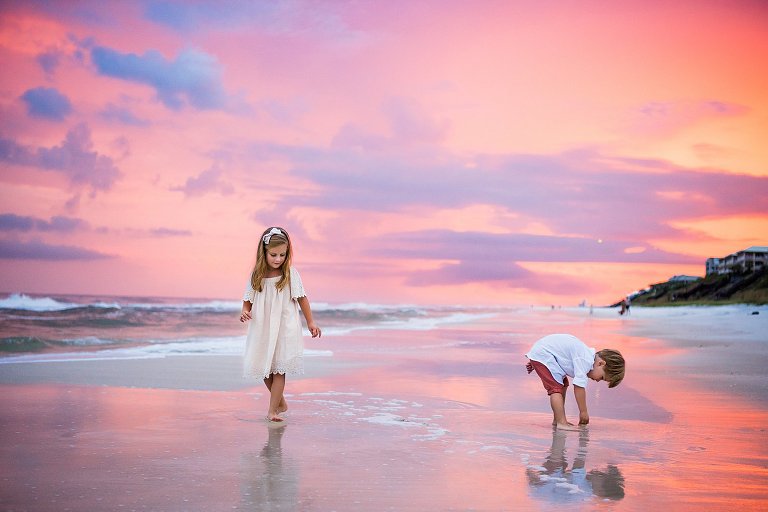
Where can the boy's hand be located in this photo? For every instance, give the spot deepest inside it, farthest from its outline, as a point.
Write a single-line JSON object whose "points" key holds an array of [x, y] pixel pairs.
{"points": [[529, 367], [583, 418]]}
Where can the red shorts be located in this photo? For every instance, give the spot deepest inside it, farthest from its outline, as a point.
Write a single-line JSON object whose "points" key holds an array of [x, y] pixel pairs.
{"points": [[550, 384]]}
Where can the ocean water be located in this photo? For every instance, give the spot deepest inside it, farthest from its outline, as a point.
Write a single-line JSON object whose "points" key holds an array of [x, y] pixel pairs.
{"points": [[70, 327]]}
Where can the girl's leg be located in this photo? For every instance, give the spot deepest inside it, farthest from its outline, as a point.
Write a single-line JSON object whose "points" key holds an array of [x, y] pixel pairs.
{"points": [[276, 395], [283, 404]]}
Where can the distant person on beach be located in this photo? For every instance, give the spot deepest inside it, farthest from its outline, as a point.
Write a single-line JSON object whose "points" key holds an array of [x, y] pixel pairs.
{"points": [[556, 357], [274, 345], [625, 304]]}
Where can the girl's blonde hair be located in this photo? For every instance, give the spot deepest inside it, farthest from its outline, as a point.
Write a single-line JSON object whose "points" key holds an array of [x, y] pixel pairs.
{"points": [[272, 237]]}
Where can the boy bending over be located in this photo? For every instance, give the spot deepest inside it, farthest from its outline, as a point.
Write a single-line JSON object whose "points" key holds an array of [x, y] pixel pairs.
{"points": [[556, 357]]}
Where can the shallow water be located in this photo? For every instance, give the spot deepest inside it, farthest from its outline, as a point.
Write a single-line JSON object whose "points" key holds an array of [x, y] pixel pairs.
{"points": [[441, 418]]}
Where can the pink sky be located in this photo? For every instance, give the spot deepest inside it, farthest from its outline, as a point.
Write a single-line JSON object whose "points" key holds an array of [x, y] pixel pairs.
{"points": [[452, 152]]}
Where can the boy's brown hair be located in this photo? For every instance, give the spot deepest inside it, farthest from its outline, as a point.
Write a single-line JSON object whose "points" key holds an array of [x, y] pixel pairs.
{"points": [[614, 366]]}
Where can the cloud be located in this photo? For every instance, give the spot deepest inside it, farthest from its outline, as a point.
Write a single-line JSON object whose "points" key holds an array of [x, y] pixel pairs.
{"points": [[493, 248], [468, 272], [322, 20], [194, 78], [409, 125], [185, 16], [37, 250], [12, 222], [122, 115], [580, 192], [47, 103], [502, 274], [666, 117], [168, 232], [206, 182], [410, 122], [60, 224], [74, 158], [49, 61]]}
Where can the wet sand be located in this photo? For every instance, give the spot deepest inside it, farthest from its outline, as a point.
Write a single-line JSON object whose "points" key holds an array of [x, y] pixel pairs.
{"points": [[445, 419]]}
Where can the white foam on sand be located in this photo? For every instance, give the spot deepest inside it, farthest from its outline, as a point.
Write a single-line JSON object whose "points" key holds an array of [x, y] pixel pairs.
{"points": [[378, 411], [224, 346]]}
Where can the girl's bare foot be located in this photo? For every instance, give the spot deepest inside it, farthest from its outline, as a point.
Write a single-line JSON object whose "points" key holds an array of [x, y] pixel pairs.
{"points": [[567, 426], [282, 407]]}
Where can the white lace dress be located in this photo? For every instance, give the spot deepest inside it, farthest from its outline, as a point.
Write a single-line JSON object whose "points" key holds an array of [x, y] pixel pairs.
{"points": [[274, 343]]}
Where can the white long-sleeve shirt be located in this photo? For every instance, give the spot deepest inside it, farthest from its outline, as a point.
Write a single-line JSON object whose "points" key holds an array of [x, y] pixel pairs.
{"points": [[564, 354]]}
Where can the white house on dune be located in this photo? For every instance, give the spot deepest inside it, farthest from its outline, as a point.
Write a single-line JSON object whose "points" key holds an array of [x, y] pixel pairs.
{"points": [[752, 259]]}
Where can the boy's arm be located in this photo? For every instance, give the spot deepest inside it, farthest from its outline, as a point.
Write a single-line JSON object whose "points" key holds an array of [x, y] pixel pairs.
{"points": [[581, 400]]}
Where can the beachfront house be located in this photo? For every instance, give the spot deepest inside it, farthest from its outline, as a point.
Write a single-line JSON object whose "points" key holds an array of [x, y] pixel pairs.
{"points": [[752, 259], [683, 279]]}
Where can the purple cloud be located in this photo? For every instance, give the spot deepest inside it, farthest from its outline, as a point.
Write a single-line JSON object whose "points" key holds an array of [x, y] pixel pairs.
{"points": [[206, 182], [502, 274], [122, 115], [60, 224], [193, 78], [47, 103], [49, 61], [168, 232], [489, 249], [12, 222], [74, 158], [185, 16], [37, 250], [579, 192]]}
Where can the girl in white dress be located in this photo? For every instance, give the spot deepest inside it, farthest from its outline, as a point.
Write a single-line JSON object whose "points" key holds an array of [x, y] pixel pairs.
{"points": [[274, 346]]}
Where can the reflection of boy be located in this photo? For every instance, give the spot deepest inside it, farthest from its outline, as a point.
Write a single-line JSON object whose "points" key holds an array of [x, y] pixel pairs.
{"points": [[607, 484], [554, 481], [556, 357]]}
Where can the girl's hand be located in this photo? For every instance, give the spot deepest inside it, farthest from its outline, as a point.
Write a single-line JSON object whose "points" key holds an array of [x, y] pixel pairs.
{"points": [[245, 316], [314, 330]]}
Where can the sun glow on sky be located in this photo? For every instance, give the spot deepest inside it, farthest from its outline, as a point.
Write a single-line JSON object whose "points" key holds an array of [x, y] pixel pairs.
{"points": [[434, 152]]}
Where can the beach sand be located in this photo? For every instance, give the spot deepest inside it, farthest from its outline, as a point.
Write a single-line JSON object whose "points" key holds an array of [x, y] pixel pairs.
{"points": [[440, 419]]}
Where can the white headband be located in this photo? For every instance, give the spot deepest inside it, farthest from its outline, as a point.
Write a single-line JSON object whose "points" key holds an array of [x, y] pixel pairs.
{"points": [[268, 236]]}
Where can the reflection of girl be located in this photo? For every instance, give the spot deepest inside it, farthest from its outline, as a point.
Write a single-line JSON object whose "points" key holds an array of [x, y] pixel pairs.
{"points": [[275, 293], [270, 477], [555, 482]]}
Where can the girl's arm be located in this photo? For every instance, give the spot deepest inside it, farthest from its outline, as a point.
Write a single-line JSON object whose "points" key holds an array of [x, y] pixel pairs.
{"points": [[307, 310], [245, 313]]}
